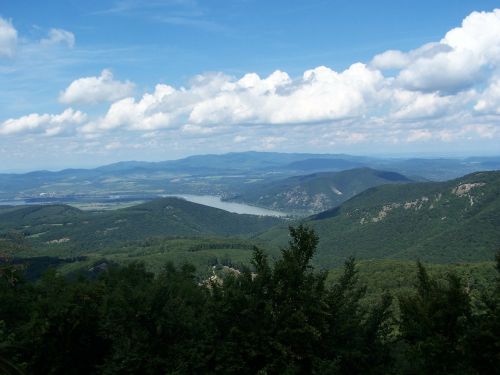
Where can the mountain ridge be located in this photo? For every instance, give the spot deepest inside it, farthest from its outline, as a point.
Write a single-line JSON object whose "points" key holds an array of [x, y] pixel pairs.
{"points": [[318, 191], [441, 222], [216, 174], [49, 225]]}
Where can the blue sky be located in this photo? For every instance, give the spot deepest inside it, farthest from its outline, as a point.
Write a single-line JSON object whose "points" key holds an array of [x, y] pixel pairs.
{"points": [[84, 83]]}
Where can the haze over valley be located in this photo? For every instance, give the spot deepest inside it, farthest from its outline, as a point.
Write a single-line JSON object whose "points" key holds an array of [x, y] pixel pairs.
{"points": [[295, 184]]}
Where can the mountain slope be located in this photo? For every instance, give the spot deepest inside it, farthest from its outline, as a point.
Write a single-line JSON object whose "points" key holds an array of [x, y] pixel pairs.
{"points": [[220, 175], [317, 192], [199, 174], [324, 164], [60, 225], [453, 221]]}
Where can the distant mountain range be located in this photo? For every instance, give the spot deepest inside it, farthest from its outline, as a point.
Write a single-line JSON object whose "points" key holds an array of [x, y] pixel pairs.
{"points": [[225, 175], [454, 221], [316, 192], [441, 222], [451, 221]]}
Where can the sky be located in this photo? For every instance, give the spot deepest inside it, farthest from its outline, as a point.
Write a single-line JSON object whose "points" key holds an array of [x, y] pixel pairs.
{"points": [[86, 83]]}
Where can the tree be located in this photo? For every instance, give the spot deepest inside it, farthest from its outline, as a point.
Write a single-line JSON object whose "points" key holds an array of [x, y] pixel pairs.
{"points": [[282, 317], [483, 336], [357, 339], [433, 325]]}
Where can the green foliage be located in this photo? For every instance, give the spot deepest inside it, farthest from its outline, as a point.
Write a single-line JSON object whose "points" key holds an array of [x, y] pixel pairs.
{"points": [[275, 318], [153, 324], [433, 324], [55, 230], [316, 192], [445, 222], [399, 277], [282, 317], [445, 330], [64, 327], [272, 317], [483, 344]]}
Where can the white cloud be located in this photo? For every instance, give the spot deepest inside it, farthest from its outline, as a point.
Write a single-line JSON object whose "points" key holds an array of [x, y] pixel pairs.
{"points": [[321, 94], [442, 91], [489, 100], [411, 105], [394, 59], [198, 130], [465, 56], [483, 131], [145, 114], [391, 59], [113, 145], [90, 90], [59, 36], [419, 135], [239, 139], [8, 38], [47, 124]]}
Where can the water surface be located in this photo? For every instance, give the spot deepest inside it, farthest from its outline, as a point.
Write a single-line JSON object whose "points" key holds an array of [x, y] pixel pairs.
{"points": [[238, 208], [207, 200]]}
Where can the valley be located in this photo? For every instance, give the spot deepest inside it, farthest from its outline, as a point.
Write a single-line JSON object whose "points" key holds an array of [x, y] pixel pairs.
{"points": [[307, 182], [249, 187], [439, 222], [363, 212]]}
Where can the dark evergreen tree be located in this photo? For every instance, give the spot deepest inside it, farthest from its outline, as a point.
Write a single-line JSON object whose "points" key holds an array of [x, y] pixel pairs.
{"points": [[283, 318], [357, 338], [62, 335], [483, 340], [276, 316], [433, 325]]}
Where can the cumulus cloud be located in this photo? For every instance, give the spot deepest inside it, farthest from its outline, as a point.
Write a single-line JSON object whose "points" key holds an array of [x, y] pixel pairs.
{"points": [[437, 87], [321, 94], [462, 58], [489, 100], [391, 59], [397, 60], [8, 38], [144, 114], [410, 105], [47, 124], [91, 90], [59, 36], [441, 91]]}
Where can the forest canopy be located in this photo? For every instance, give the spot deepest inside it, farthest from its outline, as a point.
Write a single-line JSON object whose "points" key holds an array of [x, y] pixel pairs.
{"points": [[272, 317]]}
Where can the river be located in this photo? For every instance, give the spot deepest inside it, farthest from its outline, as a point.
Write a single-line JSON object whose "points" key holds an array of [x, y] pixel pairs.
{"points": [[207, 200], [238, 208]]}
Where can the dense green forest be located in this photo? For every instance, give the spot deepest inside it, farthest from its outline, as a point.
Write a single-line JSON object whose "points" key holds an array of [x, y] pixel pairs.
{"points": [[442, 223], [62, 229], [272, 317], [455, 221], [316, 192]]}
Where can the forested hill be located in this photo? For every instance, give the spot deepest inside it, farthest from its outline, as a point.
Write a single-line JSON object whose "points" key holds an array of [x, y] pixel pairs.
{"points": [[278, 317], [453, 221], [60, 224], [319, 191]]}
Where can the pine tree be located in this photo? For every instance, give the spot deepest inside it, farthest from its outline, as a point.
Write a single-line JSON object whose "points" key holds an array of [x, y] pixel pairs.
{"points": [[433, 325]]}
